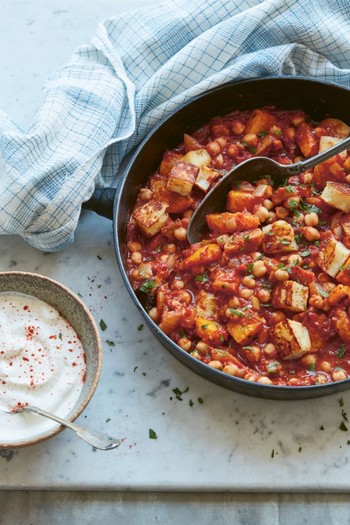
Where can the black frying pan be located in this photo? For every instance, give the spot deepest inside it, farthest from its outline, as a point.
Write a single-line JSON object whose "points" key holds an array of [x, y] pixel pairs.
{"points": [[317, 99]]}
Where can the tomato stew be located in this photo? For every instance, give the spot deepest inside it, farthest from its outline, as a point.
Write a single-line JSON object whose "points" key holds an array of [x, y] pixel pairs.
{"points": [[266, 297]]}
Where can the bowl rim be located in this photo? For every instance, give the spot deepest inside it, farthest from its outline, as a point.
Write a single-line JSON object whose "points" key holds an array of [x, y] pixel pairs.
{"points": [[32, 276]]}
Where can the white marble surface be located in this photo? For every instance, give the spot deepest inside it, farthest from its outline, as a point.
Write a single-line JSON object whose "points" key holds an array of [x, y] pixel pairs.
{"points": [[226, 442]]}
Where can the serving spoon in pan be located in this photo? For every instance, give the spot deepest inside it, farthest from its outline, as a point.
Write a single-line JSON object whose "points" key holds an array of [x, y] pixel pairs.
{"points": [[251, 170]]}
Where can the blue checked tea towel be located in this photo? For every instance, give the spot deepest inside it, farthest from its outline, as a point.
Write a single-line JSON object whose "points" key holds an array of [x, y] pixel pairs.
{"points": [[138, 68]]}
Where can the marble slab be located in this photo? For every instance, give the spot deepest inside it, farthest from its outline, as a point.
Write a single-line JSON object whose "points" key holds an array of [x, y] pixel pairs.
{"points": [[211, 439]]}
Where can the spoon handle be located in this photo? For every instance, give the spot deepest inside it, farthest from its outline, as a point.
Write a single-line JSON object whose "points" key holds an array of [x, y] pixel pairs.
{"points": [[307, 164], [100, 441]]}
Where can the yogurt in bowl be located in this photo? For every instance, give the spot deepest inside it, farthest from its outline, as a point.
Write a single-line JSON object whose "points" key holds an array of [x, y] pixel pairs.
{"points": [[50, 356]]}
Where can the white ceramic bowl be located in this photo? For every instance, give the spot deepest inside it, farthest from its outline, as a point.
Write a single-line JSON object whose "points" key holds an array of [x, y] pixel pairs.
{"points": [[78, 315]]}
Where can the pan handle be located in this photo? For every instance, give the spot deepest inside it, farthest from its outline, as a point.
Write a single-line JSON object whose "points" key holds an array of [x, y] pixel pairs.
{"points": [[102, 202]]}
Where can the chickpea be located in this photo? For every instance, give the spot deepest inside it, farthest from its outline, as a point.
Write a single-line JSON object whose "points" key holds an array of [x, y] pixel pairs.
{"points": [[308, 360], [195, 354], [230, 313], [249, 282], [253, 353], [311, 219], [251, 376], [265, 381], [321, 379], [293, 202], [298, 120], [232, 150], [136, 257], [295, 260], [311, 234], [136, 275], [213, 148], [219, 130], [216, 364], [178, 284], [185, 344], [202, 347], [234, 302], [289, 133], [281, 275], [339, 375], [316, 301], [306, 178], [259, 269], [269, 191], [134, 246], [281, 212], [264, 295], [268, 204], [272, 217], [180, 234], [246, 293], [262, 213], [231, 369], [270, 349], [146, 194], [277, 317], [222, 141], [251, 139], [237, 127], [171, 248], [185, 297], [154, 314], [325, 366], [187, 214]]}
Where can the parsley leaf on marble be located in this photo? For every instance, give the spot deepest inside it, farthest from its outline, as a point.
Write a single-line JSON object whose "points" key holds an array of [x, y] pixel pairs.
{"points": [[152, 434]]}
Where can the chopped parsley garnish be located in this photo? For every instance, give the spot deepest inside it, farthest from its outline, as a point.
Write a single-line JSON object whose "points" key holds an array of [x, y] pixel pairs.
{"points": [[272, 367], [321, 427], [290, 189], [341, 351], [249, 268], [237, 312], [60, 336], [311, 367], [251, 149], [323, 293], [343, 427], [250, 348], [147, 285], [204, 326], [200, 400], [140, 327], [284, 241], [306, 253], [262, 134], [201, 278], [103, 325], [110, 343], [293, 203], [152, 434]]}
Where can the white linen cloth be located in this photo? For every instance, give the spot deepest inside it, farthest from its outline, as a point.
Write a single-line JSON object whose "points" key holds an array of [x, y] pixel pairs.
{"points": [[138, 68]]}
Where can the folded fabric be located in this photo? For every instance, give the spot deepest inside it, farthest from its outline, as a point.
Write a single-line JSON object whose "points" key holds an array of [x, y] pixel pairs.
{"points": [[138, 68]]}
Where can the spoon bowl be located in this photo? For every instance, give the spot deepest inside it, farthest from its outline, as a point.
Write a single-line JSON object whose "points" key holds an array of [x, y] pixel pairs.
{"points": [[251, 170]]}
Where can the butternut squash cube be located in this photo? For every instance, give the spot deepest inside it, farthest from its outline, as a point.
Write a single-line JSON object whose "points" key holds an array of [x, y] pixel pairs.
{"points": [[182, 178]]}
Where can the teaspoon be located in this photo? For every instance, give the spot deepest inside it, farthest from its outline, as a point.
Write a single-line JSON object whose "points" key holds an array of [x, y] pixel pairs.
{"points": [[100, 441], [251, 170]]}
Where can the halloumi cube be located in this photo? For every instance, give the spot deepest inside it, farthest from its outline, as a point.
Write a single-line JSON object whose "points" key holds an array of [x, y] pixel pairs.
{"points": [[205, 177], [337, 194], [291, 338], [333, 256], [290, 295], [328, 142], [182, 178], [207, 305], [279, 238], [151, 217], [199, 158]]}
